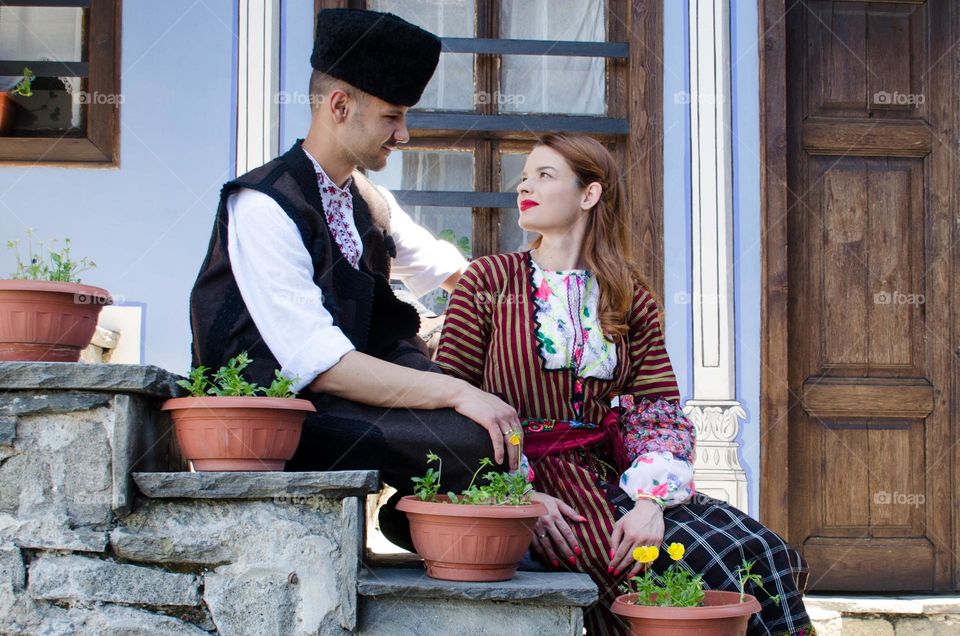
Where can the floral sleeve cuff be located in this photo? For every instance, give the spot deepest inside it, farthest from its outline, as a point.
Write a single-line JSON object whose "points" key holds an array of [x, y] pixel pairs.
{"points": [[660, 477], [655, 426], [660, 442], [524, 469]]}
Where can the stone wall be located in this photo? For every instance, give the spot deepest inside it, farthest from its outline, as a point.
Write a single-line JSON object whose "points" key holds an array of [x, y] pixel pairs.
{"points": [[84, 550]]}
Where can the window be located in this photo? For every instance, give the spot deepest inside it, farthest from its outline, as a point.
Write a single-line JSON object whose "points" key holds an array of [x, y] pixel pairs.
{"points": [[71, 47], [511, 70]]}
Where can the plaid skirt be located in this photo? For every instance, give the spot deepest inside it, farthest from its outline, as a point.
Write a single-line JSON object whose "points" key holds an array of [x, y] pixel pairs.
{"points": [[717, 538]]}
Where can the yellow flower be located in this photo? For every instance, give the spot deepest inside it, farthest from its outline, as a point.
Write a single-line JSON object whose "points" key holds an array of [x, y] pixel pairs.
{"points": [[515, 439], [646, 553], [675, 550]]}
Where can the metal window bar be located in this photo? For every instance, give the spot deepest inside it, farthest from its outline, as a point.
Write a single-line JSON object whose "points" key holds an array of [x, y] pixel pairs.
{"points": [[535, 47], [430, 120], [456, 199], [45, 68], [79, 4]]}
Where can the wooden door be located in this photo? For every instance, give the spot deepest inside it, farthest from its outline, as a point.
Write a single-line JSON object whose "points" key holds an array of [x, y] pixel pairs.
{"points": [[871, 156]]}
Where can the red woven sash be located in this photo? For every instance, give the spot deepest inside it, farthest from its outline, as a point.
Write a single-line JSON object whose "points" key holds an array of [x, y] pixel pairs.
{"points": [[544, 437]]}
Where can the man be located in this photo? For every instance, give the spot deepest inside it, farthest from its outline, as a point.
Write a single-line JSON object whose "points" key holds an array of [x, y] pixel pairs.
{"points": [[297, 274]]}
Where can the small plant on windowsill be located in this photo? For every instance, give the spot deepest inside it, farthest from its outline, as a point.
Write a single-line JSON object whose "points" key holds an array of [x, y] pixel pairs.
{"points": [[24, 85], [46, 315], [478, 535], [677, 603], [255, 428]]}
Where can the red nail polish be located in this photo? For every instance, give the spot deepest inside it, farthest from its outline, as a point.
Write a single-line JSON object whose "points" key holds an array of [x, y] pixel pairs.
{"points": [[576, 550], [609, 570], [572, 560], [616, 572], [556, 564], [611, 553]]}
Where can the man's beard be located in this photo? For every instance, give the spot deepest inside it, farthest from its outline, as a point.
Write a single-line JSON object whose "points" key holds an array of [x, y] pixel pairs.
{"points": [[376, 161]]}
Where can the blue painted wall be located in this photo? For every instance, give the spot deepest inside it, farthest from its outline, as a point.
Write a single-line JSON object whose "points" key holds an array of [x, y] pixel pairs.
{"points": [[677, 237], [147, 223], [745, 78], [296, 35], [678, 285]]}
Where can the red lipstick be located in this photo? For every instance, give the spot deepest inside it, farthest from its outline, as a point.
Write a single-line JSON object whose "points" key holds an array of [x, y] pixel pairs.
{"points": [[526, 204]]}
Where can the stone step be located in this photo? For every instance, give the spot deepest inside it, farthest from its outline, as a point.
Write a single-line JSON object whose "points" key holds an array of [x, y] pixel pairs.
{"points": [[884, 615], [283, 549], [293, 488], [396, 601]]}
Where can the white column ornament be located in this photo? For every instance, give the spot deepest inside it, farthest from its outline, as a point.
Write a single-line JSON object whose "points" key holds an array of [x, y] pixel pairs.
{"points": [[714, 408]]}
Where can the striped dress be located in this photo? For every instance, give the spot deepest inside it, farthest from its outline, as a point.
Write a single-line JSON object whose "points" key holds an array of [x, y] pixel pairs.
{"points": [[489, 340]]}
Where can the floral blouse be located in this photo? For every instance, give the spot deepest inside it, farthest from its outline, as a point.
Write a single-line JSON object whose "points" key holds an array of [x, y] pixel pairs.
{"points": [[659, 437], [569, 333]]}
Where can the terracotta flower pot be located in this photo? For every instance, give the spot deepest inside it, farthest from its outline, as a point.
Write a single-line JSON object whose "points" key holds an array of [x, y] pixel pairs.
{"points": [[462, 542], [722, 614], [8, 112], [238, 433], [41, 321]]}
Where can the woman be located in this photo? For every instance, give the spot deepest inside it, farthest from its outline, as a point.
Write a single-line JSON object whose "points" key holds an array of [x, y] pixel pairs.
{"points": [[568, 335]]}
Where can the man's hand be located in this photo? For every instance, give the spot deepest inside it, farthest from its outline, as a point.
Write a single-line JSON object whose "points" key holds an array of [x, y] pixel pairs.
{"points": [[363, 378], [499, 418]]}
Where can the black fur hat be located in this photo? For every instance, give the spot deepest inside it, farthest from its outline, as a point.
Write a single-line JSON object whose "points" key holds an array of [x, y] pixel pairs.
{"points": [[379, 53]]}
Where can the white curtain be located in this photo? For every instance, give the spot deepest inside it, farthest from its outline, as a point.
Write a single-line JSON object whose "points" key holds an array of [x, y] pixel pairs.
{"points": [[553, 84], [41, 33]]}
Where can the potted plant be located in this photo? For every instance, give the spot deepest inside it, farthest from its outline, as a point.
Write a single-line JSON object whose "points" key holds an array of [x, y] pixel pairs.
{"points": [[479, 535], [229, 424], [677, 603], [15, 86], [46, 315]]}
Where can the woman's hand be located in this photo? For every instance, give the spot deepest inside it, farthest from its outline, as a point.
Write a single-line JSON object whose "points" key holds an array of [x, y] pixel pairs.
{"points": [[554, 538], [641, 526]]}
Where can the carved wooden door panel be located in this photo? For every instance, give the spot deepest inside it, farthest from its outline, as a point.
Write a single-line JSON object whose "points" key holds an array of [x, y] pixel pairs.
{"points": [[871, 119]]}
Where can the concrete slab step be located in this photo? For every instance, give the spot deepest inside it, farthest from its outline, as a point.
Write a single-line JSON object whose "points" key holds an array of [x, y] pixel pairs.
{"points": [[884, 615], [396, 601]]}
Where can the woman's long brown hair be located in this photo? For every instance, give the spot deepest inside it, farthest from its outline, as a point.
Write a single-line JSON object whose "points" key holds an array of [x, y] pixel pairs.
{"points": [[607, 249]]}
